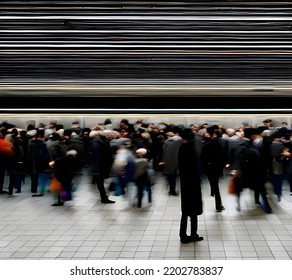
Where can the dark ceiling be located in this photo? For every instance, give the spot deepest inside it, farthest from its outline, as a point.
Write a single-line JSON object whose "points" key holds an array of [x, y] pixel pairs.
{"points": [[202, 46]]}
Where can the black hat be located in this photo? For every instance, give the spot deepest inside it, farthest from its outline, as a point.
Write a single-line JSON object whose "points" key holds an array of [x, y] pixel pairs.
{"points": [[211, 129], [248, 132], [261, 129]]}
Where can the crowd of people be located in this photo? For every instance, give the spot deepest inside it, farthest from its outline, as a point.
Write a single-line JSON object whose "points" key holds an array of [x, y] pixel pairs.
{"points": [[129, 154]]}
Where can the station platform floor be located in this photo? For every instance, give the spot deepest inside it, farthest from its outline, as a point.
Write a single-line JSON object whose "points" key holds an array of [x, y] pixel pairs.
{"points": [[85, 229]]}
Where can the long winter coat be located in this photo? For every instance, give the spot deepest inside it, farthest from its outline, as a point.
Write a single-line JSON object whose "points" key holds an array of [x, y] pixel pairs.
{"points": [[16, 164], [189, 172], [101, 157], [170, 154], [214, 157], [38, 157]]}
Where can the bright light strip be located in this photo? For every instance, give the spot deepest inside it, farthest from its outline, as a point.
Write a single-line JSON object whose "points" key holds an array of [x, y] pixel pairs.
{"points": [[239, 45], [140, 109], [90, 42], [143, 17], [143, 31]]}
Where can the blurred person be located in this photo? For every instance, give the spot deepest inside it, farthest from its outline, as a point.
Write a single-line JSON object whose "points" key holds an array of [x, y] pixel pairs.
{"points": [[142, 179], [75, 142], [251, 170], [56, 146], [6, 154], [170, 158], [16, 165], [214, 161], [157, 138], [190, 182], [142, 139], [195, 128], [86, 140], [126, 125], [281, 167], [56, 149], [229, 132], [38, 158], [64, 169], [268, 124], [265, 151], [100, 162], [123, 168], [287, 158]]}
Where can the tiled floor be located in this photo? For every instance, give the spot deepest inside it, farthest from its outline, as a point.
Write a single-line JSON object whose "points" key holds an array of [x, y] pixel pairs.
{"points": [[30, 228]]}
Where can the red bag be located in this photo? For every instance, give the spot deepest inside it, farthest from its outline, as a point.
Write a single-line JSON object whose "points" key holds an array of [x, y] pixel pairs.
{"points": [[232, 185], [55, 185], [6, 148]]}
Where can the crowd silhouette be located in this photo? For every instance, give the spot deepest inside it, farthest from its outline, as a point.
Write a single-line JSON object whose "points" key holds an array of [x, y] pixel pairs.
{"points": [[129, 155]]}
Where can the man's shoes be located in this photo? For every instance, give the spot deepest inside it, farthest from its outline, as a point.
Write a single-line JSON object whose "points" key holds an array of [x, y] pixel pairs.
{"points": [[3, 192], [38, 195], [58, 204], [18, 191], [257, 202], [107, 201], [267, 209], [220, 209], [186, 239], [198, 238]]}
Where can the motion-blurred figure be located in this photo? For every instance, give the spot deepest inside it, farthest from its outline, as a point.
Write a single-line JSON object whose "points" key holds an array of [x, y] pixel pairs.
{"points": [[142, 179]]}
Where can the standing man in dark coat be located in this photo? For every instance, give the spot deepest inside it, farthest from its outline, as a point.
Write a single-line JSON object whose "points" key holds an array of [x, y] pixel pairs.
{"points": [[101, 160], [191, 196]]}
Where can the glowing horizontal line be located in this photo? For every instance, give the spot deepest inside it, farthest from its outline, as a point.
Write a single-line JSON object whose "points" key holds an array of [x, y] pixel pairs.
{"points": [[140, 109], [38, 52], [91, 42], [148, 46], [126, 87], [141, 31], [145, 17]]}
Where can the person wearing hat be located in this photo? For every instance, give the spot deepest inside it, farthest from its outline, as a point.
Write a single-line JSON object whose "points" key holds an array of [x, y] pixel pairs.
{"points": [[190, 184]]}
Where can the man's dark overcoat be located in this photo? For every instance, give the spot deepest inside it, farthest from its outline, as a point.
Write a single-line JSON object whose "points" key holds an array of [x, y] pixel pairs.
{"points": [[189, 172]]}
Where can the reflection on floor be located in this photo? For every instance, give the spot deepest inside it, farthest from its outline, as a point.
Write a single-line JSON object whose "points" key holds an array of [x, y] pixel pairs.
{"points": [[30, 228]]}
